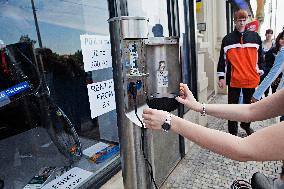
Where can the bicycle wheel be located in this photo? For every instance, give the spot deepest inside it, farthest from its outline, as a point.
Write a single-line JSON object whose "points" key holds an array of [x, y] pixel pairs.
{"points": [[62, 131]]}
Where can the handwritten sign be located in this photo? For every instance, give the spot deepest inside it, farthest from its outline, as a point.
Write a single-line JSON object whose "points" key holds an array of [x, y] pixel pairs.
{"points": [[101, 97], [69, 180], [96, 52]]}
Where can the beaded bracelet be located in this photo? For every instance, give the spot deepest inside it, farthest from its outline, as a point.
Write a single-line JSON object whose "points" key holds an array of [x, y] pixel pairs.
{"points": [[203, 113]]}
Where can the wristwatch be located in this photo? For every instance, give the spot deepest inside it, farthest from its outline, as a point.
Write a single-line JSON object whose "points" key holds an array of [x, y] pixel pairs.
{"points": [[167, 124]]}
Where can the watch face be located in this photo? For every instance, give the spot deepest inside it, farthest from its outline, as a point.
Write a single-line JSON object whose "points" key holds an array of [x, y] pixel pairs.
{"points": [[166, 126]]}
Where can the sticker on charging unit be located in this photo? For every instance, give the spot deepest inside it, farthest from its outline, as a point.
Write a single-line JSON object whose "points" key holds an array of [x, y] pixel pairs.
{"points": [[4, 95], [163, 80]]}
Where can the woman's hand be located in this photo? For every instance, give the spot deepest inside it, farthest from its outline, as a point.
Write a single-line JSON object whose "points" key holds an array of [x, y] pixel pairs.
{"points": [[153, 119], [186, 97], [253, 100]]}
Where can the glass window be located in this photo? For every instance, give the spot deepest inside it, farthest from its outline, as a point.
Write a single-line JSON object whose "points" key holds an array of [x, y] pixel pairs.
{"points": [[46, 127], [157, 14]]}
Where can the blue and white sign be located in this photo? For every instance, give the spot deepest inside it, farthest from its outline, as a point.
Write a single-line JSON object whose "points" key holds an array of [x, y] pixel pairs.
{"points": [[4, 95], [16, 89]]}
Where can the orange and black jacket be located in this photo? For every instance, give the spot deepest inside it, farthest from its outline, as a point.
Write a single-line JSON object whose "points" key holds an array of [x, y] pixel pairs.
{"points": [[241, 59]]}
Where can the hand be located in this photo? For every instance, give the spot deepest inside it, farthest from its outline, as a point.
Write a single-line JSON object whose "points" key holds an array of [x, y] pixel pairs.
{"points": [[222, 83], [276, 81], [186, 97], [260, 72], [253, 100], [154, 119]]}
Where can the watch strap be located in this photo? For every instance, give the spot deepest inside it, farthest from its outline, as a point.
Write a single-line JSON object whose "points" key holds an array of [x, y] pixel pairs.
{"points": [[167, 124], [169, 118]]}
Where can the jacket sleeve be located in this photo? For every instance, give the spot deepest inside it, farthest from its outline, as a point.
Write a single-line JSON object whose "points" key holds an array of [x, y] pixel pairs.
{"points": [[277, 68], [221, 67], [260, 54]]}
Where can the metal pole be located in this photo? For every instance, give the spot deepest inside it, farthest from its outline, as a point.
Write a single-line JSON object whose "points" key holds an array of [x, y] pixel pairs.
{"points": [[132, 162], [228, 16], [36, 24], [275, 18], [193, 51], [270, 11]]}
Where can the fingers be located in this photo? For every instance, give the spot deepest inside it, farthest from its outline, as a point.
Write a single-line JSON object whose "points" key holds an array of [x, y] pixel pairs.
{"points": [[184, 90], [153, 118], [147, 111], [180, 100], [253, 100], [147, 123]]}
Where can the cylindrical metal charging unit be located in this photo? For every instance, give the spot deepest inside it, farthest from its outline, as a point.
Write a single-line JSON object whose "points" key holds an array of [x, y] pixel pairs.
{"points": [[146, 73]]}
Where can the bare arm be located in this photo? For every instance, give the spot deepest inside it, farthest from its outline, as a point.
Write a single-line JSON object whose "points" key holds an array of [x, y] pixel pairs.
{"points": [[265, 145], [269, 107]]}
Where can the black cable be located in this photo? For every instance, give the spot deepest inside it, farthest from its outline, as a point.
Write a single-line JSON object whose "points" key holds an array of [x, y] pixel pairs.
{"points": [[133, 91]]}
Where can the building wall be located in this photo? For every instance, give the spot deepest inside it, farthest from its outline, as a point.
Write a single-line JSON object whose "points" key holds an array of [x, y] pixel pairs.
{"points": [[213, 13]]}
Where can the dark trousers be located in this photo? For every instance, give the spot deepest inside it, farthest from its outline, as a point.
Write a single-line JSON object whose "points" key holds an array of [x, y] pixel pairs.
{"points": [[233, 98]]}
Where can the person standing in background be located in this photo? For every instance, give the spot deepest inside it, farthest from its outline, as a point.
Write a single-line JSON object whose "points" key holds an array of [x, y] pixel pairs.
{"points": [[267, 44], [241, 58]]}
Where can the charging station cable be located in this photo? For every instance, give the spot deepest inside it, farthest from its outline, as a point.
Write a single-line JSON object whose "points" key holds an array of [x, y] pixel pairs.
{"points": [[133, 92]]}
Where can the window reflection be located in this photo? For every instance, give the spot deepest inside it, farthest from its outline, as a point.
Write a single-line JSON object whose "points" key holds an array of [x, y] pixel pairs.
{"points": [[157, 14], [26, 144]]}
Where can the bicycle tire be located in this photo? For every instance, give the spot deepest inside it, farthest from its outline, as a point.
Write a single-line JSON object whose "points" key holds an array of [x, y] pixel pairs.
{"points": [[62, 131]]}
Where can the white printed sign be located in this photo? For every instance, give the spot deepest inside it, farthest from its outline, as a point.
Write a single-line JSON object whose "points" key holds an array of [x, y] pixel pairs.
{"points": [[101, 97], [163, 80], [69, 180], [96, 52]]}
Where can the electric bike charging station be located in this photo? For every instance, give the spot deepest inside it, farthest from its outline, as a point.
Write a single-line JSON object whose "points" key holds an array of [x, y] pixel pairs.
{"points": [[146, 73]]}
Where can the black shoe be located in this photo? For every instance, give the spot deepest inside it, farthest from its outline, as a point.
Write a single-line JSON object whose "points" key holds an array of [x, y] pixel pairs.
{"points": [[248, 130], [260, 181]]}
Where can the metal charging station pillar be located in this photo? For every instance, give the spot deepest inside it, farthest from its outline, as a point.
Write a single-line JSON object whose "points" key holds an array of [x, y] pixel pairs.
{"points": [[144, 70]]}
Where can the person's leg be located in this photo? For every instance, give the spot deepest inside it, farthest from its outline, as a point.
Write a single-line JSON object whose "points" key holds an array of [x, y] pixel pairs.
{"points": [[247, 100], [274, 87], [266, 92], [266, 71], [233, 98], [282, 171]]}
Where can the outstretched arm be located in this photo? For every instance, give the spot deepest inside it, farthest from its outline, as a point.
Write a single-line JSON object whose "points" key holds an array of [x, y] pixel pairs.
{"points": [[269, 107], [265, 145], [277, 68]]}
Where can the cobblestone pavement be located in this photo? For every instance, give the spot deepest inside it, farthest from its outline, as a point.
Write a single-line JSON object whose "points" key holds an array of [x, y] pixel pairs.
{"points": [[202, 169]]}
